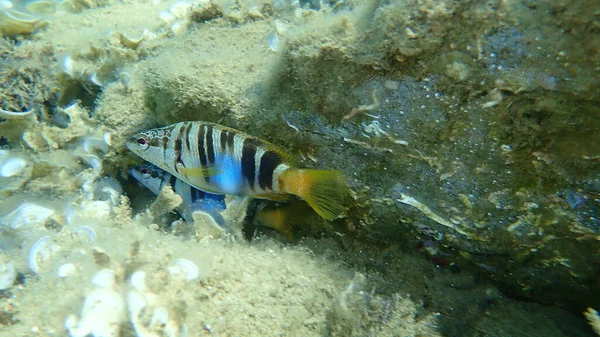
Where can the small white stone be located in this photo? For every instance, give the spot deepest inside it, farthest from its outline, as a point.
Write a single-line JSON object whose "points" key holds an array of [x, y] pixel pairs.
{"points": [[167, 17], [138, 281], [186, 268], [12, 166], [66, 270], [104, 278], [178, 27]]}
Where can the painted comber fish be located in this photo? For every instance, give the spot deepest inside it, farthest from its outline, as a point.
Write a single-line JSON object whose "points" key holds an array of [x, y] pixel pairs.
{"points": [[222, 160], [194, 199]]}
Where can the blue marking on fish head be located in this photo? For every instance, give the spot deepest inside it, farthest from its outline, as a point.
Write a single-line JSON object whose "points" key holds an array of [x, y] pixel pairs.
{"points": [[229, 178]]}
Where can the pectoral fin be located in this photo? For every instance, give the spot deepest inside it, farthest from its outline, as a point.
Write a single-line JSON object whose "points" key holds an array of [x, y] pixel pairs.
{"points": [[198, 171]]}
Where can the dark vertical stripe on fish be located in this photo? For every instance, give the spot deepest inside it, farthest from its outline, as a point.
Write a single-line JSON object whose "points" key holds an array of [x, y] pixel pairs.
{"points": [[201, 152], [178, 145], [165, 142], [268, 163], [210, 150], [172, 180], [224, 135], [186, 137], [248, 169], [230, 138]]}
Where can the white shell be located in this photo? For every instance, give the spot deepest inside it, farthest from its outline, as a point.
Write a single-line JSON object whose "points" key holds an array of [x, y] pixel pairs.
{"points": [[26, 215], [66, 270], [12, 166], [136, 301], [92, 160], [16, 114], [138, 281], [107, 136], [178, 27], [16, 22], [94, 79], [40, 255], [105, 278], [186, 269], [8, 274], [167, 17], [91, 145], [108, 189], [160, 316], [133, 43], [102, 313], [67, 65], [87, 231]]}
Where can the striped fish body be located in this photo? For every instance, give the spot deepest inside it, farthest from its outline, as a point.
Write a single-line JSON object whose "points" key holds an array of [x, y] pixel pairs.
{"points": [[238, 163], [221, 160], [194, 199]]}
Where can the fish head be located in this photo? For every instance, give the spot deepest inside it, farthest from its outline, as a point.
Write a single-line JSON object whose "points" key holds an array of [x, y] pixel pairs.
{"points": [[150, 145], [149, 176]]}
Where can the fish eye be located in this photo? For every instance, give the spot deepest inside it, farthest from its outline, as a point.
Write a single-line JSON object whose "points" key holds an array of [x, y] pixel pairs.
{"points": [[143, 142], [145, 172]]}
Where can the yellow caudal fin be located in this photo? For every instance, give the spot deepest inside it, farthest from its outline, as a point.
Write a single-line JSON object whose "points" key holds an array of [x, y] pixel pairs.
{"points": [[325, 191]]}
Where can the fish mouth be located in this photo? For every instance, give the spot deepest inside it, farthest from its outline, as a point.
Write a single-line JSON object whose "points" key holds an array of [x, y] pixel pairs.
{"points": [[131, 144], [135, 174]]}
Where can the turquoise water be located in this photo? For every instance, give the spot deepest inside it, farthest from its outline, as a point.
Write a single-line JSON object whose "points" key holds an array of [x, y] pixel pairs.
{"points": [[465, 131]]}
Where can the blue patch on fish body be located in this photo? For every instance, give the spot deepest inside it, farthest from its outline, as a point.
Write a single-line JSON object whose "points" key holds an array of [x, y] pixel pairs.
{"points": [[229, 179]]}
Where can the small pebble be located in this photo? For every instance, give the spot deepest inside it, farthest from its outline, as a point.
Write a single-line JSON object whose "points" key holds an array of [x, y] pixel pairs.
{"points": [[12, 166]]}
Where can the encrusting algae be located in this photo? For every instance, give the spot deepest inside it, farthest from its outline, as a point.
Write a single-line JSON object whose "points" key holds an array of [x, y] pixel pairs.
{"points": [[221, 160]]}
